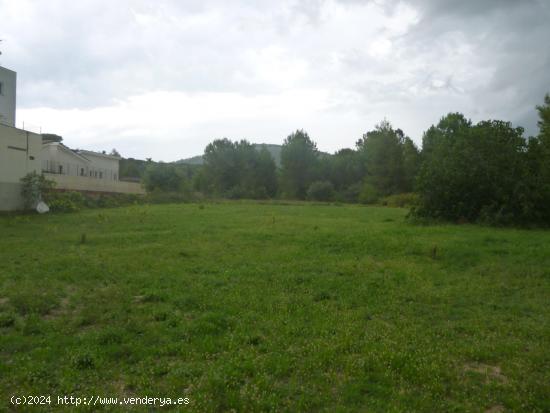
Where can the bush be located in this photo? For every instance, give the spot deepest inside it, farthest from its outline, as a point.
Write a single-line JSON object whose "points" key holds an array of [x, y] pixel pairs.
{"points": [[408, 199], [368, 194], [167, 197], [350, 194], [35, 187], [321, 191], [69, 201]]}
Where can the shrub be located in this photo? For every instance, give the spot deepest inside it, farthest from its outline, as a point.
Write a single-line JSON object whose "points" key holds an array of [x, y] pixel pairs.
{"points": [[166, 197], [368, 194], [350, 194], [321, 191], [69, 201], [35, 187], [408, 199]]}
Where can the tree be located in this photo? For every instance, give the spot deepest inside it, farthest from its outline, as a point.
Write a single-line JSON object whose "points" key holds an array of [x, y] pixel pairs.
{"points": [[544, 120], [471, 172], [265, 173], [238, 170], [381, 150], [411, 164], [538, 156], [299, 159], [321, 191], [161, 177], [114, 152], [345, 168]]}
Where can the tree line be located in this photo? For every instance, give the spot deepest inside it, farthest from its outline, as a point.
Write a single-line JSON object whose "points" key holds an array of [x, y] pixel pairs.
{"points": [[464, 172]]}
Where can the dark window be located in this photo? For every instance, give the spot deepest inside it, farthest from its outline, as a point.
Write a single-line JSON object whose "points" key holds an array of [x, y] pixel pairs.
{"points": [[60, 168], [1, 88], [81, 171], [100, 175]]}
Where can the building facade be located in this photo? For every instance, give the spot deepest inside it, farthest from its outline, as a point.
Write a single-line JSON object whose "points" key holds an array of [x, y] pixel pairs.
{"points": [[23, 152], [19, 155], [8, 92]]}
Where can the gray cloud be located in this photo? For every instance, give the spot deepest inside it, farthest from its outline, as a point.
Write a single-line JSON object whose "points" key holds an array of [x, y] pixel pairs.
{"points": [[353, 62]]}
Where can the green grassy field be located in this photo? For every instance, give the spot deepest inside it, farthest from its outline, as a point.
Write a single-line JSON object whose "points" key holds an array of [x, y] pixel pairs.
{"points": [[271, 307]]}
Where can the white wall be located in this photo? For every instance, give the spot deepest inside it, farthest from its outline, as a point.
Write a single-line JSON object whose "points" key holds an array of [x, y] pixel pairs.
{"points": [[79, 183], [19, 155], [54, 156], [8, 78], [107, 165]]}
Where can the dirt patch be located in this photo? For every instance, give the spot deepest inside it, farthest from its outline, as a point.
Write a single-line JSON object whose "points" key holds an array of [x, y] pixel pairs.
{"points": [[492, 373], [495, 409]]}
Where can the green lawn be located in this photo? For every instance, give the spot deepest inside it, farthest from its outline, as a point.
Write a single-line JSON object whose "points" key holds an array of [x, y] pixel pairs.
{"points": [[274, 307]]}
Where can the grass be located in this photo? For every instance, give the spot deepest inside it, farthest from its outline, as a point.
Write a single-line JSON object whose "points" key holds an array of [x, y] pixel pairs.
{"points": [[275, 307]]}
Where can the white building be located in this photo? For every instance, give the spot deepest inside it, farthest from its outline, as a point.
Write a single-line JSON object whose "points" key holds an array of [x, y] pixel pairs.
{"points": [[19, 155], [59, 159], [8, 84], [22, 152]]}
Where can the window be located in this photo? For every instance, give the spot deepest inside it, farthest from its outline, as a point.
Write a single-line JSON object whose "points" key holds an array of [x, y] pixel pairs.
{"points": [[115, 177], [90, 173], [60, 169], [100, 175], [81, 171], [1, 88]]}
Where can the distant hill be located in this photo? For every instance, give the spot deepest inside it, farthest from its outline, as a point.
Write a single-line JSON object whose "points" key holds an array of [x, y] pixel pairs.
{"points": [[274, 151]]}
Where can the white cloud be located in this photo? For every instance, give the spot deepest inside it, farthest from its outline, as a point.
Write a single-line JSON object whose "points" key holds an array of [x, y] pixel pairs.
{"points": [[164, 78]]}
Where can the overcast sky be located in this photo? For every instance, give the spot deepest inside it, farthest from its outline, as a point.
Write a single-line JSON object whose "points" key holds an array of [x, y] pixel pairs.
{"points": [[161, 79]]}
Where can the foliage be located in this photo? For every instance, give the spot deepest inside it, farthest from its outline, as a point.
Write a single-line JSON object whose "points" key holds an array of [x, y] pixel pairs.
{"points": [[65, 201], [299, 160], [403, 200], [390, 159], [165, 177], [349, 194], [34, 187], [344, 169], [368, 194], [476, 172], [132, 168], [237, 170], [321, 191]]}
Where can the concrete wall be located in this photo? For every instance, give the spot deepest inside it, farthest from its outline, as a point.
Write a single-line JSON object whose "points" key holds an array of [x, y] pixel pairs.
{"points": [[19, 155], [81, 183], [8, 79]]}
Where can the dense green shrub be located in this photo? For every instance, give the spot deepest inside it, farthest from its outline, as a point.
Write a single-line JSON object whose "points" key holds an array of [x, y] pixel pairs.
{"points": [[161, 177], [34, 188], [166, 197], [321, 191], [408, 199], [349, 194], [67, 201], [476, 173], [368, 194]]}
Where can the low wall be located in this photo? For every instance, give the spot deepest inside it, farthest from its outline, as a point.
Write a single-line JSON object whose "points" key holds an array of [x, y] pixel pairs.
{"points": [[83, 183]]}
